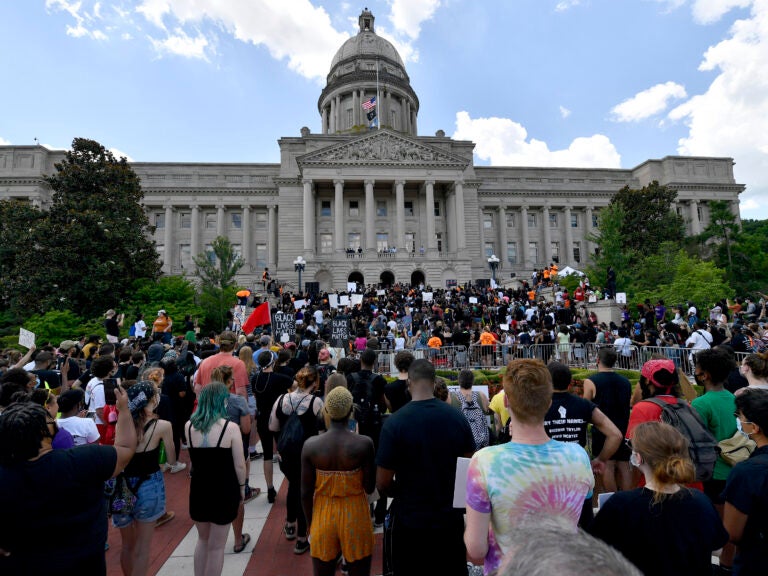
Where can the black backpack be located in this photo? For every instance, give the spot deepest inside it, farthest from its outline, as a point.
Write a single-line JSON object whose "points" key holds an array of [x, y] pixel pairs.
{"points": [[292, 433], [366, 410], [478, 422], [702, 445]]}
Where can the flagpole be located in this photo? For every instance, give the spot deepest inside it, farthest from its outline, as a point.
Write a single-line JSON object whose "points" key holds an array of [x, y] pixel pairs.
{"points": [[378, 98]]}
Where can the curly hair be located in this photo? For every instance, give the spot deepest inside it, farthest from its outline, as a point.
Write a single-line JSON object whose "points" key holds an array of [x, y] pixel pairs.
{"points": [[22, 428]]}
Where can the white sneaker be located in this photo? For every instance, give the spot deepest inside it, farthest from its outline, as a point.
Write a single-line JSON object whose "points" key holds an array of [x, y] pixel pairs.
{"points": [[178, 467], [165, 467]]}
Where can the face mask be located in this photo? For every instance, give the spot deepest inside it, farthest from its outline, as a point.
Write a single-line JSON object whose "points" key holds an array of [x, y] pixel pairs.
{"points": [[742, 432], [635, 459]]}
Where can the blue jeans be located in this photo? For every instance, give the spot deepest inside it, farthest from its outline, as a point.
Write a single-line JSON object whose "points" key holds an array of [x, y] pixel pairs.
{"points": [[150, 501]]}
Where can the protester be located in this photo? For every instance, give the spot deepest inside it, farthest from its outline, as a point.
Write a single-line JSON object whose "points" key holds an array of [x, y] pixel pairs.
{"points": [[73, 418]]}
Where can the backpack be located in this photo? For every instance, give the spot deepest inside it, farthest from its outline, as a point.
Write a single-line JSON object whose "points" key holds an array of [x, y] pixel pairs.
{"points": [[323, 371], [292, 433], [132, 330], [366, 410], [702, 445], [477, 421], [186, 364]]}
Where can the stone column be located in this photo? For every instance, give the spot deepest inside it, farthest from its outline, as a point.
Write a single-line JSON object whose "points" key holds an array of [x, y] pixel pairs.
{"points": [[338, 221], [461, 226], [194, 248], [482, 233], [324, 121], [339, 122], [168, 239], [502, 253], [389, 108], [309, 219], [589, 230], [450, 218], [525, 261], [568, 237], [413, 123], [547, 248], [400, 214], [695, 223], [355, 107], [736, 212], [332, 117], [220, 220], [272, 236], [430, 189], [370, 225], [246, 224], [407, 116]]}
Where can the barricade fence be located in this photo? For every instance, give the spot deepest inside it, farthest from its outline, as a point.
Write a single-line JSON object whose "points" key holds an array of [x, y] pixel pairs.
{"points": [[575, 355]]}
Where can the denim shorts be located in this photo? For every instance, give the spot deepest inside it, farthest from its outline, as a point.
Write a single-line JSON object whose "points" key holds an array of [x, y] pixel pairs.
{"points": [[252, 405], [150, 501]]}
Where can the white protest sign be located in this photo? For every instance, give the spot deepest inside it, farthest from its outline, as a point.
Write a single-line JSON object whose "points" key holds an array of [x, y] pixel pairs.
{"points": [[333, 300], [352, 286], [426, 296], [504, 327], [473, 299], [380, 292], [621, 297], [26, 338], [344, 300], [460, 485], [299, 304], [357, 299]]}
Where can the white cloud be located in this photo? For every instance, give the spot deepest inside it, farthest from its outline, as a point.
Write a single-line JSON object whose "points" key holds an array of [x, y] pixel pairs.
{"points": [[154, 11], [648, 102], [4, 142], [504, 142], [564, 5], [407, 15], [731, 118], [180, 44], [126, 36], [709, 11], [564, 112], [75, 9], [119, 154]]}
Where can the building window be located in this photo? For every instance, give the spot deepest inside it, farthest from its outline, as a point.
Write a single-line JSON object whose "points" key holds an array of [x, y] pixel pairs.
{"points": [[349, 118], [354, 208], [439, 238], [237, 220], [554, 248], [237, 250], [595, 219], [261, 217], [679, 211], [700, 213], [533, 252], [185, 256], [210, 254], [161, 253], [382, 242], [261, 256], [408, 209], [210, 220], [577, 251], [574, 220], [531, 220], [186, 219], [487, 220], [381, 208], [410, 242], [326, 243], [510, 220], [353, 240], [159, 220], [437, 208], [553, 219], [512, 252], [325, 208], [490, 250]]}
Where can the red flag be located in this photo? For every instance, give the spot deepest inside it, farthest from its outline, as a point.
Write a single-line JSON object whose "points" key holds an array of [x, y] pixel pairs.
{"points": [[258, 317]]}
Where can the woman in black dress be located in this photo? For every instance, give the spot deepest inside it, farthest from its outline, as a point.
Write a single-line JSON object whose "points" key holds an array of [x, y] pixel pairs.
{"points": [[218, 476]]}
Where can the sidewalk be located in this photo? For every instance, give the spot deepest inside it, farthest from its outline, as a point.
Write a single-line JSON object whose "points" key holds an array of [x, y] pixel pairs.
{"points": [[267, 554]]}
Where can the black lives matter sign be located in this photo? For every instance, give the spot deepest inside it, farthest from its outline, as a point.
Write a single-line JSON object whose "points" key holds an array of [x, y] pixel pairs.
{"points": [[340, 331], [284, 324]]}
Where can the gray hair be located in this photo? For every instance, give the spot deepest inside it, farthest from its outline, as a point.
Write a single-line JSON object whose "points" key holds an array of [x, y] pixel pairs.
{"points": [[546, 546]]}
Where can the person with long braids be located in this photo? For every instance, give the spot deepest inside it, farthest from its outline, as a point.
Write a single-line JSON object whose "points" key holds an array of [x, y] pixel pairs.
{"points": [[663, 528], [218, 476], [145, 478], [29, 468]]}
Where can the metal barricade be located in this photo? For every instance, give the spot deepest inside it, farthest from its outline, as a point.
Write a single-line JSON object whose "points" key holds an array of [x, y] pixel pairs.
{"points": [[443, 358], [485, 356]]}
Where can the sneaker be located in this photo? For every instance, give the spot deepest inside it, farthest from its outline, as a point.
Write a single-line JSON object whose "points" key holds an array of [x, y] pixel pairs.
{"points": [[301, 546], [290, 531], [251, 493], [164, 519], [178, 467], [165, 467], [256, 455], [377, 524], [184, 446], [271, 495]]}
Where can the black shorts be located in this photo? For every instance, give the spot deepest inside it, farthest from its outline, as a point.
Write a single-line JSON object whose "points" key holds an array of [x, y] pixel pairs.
{"points": [[267, 439]]}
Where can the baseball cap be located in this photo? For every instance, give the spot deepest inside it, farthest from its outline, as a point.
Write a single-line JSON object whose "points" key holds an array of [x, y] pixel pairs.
{"points": [[653, 367]]}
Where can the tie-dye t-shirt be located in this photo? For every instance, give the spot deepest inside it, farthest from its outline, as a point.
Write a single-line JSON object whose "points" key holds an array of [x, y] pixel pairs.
{"points": [[515, 481]]}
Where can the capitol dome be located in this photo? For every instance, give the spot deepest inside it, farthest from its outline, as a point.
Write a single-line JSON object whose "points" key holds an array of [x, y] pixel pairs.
{"points": [[367, 66]]}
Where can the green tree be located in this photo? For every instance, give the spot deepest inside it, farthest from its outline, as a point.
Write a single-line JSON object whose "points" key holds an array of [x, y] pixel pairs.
{"points": [[18, 237], [722, 229], [648, 218], [611, 249], [216, 270], [94, 241], [750, 258], [176, 295]]}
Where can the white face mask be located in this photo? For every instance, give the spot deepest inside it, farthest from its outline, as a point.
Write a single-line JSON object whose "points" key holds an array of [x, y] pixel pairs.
{"points": [[741, 431], [635, 459]]}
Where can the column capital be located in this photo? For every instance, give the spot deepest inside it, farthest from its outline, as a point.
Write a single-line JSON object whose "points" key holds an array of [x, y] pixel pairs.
{"points": [[307, 181], [400, 182], [370, 182], [693, 201], [194, 206], [502, 208], [169, 206], [245, 207], [271, 207], [220, 206], [525, 207], [429, 182], [338, 182]]}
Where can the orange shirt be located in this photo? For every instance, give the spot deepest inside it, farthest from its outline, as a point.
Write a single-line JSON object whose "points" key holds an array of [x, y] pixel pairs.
{"points": [[434, 342], [487, 339], [162, 324], [531, 295]]}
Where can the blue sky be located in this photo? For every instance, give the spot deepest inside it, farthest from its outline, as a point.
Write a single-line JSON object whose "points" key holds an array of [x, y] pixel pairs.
{"points": [[606, 83]]}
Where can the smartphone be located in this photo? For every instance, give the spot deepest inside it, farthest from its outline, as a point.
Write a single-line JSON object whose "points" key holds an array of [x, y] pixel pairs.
{"points": [[110, 397]]}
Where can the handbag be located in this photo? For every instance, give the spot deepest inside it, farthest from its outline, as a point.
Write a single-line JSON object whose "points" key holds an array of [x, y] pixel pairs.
{"points": [[121, 498], [736, 449]]}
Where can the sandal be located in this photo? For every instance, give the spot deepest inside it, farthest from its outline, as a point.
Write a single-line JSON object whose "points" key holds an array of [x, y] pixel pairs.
{"points": [[243, 543], [290, 531], [251, 493]]}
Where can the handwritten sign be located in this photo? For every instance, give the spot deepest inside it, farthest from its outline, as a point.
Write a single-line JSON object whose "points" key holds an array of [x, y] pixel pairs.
{"points": [[284, 324], [333, 300], [426, 296], [26, 338], [344, 300], [340, 331]]}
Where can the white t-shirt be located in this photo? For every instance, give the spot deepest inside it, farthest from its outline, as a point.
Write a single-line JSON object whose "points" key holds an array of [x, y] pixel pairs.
{"points": [[699, 340], [624, 346], [94, 397], [141, 329], [319, 316], [83, 430]]}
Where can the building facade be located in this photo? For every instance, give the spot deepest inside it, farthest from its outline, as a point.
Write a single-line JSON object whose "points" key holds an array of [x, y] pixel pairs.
{"points": [[382, 205]]}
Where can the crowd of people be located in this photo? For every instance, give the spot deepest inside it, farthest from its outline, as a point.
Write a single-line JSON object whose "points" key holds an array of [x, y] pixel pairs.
{"points": [[103, 420]]}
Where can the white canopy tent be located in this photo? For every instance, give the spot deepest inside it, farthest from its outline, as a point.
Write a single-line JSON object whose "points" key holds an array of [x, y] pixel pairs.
{"points": [[567, 271]]}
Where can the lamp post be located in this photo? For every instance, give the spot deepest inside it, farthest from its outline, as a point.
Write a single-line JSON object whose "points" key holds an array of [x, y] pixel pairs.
{"points": [[493, 264], [299, 264]]}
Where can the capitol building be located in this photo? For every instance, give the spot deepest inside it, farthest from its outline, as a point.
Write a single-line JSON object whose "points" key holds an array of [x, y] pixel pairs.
{"points": [[382, 205]]}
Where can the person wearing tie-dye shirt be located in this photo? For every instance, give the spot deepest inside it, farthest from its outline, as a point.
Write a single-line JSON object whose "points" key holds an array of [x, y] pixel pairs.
{"points": [[530, 476]]}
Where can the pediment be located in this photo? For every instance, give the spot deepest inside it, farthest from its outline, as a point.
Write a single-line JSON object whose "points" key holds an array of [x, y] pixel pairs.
{"points": [[383, 148]]}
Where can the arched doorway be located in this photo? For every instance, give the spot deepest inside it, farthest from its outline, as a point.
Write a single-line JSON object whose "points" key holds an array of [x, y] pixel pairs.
{"points": [[357, 276], [386, 279], [417, 277]]}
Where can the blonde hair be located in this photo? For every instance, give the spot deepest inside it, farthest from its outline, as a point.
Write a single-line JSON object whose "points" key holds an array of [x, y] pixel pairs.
{"points": [[246, 355], [338, 404], [665, 450]]}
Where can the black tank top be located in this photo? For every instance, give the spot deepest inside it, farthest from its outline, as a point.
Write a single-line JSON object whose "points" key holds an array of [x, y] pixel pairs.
{"points": [[147, 462]]}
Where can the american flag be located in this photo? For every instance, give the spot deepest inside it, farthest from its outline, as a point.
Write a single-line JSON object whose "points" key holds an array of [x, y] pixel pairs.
{"points": [[368, 104]]}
